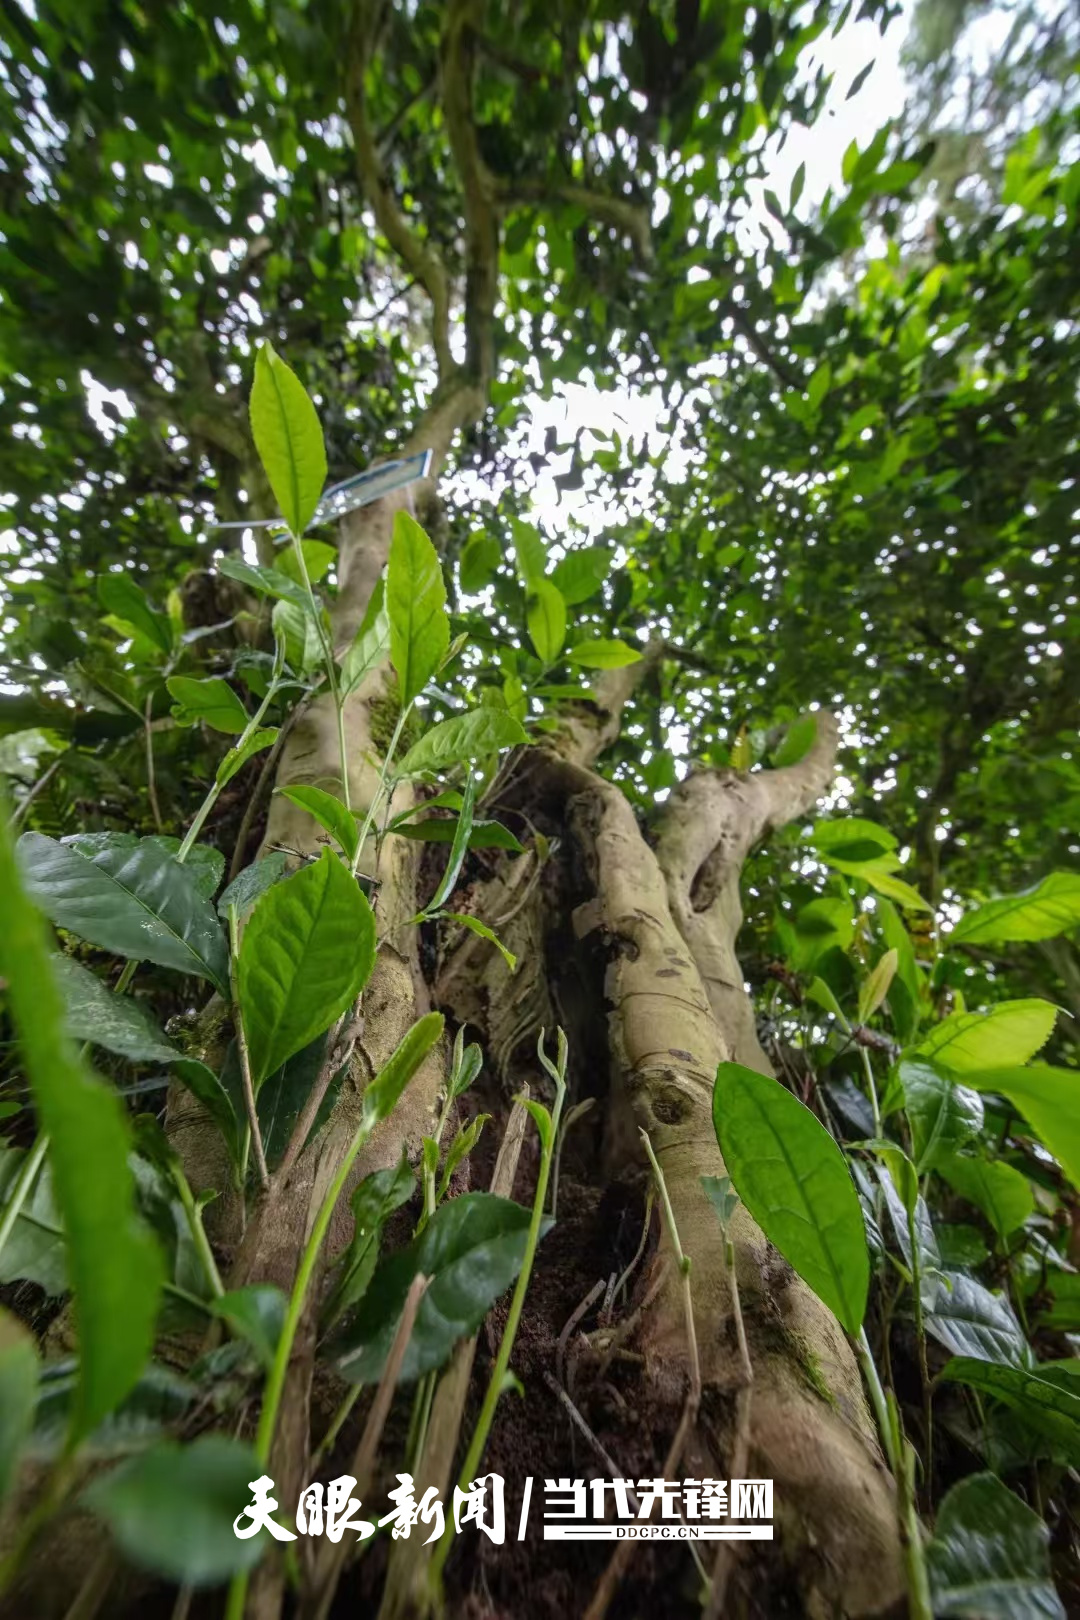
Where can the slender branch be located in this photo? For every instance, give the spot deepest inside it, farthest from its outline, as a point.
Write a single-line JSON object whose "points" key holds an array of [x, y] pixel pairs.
{"points": [[363, 1467], [242, 1049], [251, 809], [419, 258], [151, 781], [630, 218], [478, 186], [747, 330]]}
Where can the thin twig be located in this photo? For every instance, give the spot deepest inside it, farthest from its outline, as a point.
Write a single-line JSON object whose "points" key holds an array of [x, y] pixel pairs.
{"points": [[740, 1450], [608, 1584], [640, 1250], [251, 809], [339, 1049], [244, 1055], [571, 1323], [42, 782], [329, 1569], [151, 782]]}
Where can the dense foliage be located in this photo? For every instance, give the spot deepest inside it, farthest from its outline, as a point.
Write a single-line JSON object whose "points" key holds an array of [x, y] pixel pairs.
{"points": [[857, 491]]}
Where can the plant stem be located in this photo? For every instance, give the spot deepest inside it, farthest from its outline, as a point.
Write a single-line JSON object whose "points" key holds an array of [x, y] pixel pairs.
{"points": [[242, 1051], [275, 1383], [892, 1438], [216, 786], [380, 787], [151, 783], [506, 1343], [24, 1184], [330, 666], [868, 1068]]}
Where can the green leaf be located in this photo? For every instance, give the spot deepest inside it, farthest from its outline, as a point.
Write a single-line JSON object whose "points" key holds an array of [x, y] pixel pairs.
{"points": [[480, 557], [382, 1094], [254, 880], [205, 863], [267, 581], [459, 847], [460, 1148], [283, 1094], [371, 645], [530, 551], [319, 558], [990, 1556], [466, 737], [581, 573], [307, 952], [285, 427], [117, 1023], [328, 811], [442, 830], [297, 631], [204, 1084], [18, 1394], [1047, 1395], [475, 926], [793, 1179], [255, 1313], [1052, 907], [113, 1263], [798, 740], [722, 1196], [893, 888], [472, 1249], [875, 987], [820, 926], [1009, 1033], [1049, 1099], [171, 1510], [211, 700], [415, 606], [136, 901], [603, 654], [971, 1321], [943, 1114], [240, 753], [1060, 1296], [1002, 1193], [851, 838], [546, 619], [34, 1250], [372, 1204], [122, 597]]}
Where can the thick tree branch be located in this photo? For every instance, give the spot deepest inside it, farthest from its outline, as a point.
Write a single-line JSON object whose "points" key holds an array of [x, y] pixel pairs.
{"points": [[418, 256], [630, 218], [477, 185], [711, 823]]}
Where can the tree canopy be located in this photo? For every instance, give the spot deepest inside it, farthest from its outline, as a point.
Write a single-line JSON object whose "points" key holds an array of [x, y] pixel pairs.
{"points": [[821, 460]]}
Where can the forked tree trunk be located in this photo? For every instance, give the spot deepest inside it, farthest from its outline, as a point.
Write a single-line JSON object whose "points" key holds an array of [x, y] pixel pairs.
{"points": [[630, 945], [655, 926]]}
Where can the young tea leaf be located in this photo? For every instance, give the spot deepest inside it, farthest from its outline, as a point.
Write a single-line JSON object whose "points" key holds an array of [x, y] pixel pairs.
{"points": [[289, 439], [466, 737], [213, 701], [546, 619], [328, 811], [415, 607]]}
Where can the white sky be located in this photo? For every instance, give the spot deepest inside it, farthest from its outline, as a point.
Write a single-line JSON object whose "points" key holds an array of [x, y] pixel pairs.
{"points": [[821, 148]]}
